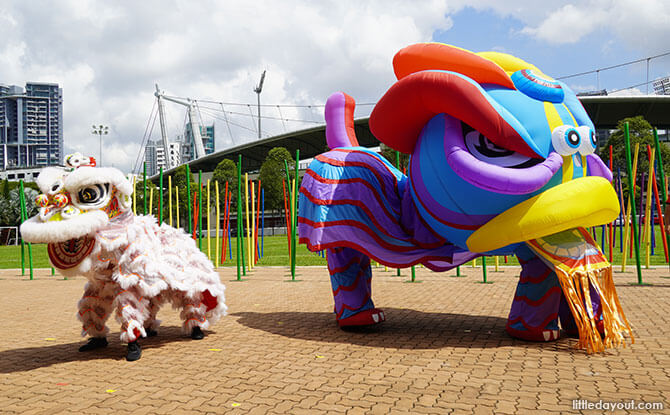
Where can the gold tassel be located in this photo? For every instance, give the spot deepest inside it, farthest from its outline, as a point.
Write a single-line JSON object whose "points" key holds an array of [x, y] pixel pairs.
{"points": [[576, 288]]}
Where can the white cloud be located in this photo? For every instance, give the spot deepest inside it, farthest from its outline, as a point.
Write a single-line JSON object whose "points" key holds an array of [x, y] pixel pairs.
{"points": [[108, 55], [639, 24]]}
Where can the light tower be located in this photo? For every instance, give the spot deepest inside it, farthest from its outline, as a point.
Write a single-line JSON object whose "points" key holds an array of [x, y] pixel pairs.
{"points": [[100, 130], [258, 90]]}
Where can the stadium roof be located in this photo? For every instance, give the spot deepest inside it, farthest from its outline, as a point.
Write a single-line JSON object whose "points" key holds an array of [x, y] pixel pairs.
{"points": [[605, 111]]}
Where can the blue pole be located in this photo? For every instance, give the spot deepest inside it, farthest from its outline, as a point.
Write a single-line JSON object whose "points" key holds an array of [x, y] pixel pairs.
{"points": [[621, 218], [603, 232], [230, 251], [262, 220], [639, 222], [653, 239]]}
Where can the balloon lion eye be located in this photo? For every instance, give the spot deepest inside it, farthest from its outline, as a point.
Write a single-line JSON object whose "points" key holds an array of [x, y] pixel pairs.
{"points": [[565, 139]]}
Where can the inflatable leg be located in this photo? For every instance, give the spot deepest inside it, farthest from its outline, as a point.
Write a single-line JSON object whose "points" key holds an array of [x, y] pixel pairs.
{"points": [[534, 313], [568, 321], [95, 307], [351, 277]]}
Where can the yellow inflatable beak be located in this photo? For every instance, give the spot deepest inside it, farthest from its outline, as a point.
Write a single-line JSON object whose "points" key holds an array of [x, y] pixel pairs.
{"points": [[585, 202]]}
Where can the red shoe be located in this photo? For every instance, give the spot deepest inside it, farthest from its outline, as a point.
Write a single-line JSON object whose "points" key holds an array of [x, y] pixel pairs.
{"points": [[364, 318]]}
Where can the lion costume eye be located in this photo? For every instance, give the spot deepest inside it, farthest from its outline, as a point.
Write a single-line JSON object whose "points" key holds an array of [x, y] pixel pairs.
{"points": [[92, 195]]}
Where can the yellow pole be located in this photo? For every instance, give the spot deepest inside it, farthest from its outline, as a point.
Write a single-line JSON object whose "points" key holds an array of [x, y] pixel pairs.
{"points": [[151, 200], [218, 219], [253, 223], [176, 192], [474, 263], [134, 195], [246, 200], [497, 262], [170, 199], [647, 210], [209, 243], [624, 257]]}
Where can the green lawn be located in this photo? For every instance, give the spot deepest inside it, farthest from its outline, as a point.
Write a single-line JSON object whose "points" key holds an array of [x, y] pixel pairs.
{"points": [[276, 253]]}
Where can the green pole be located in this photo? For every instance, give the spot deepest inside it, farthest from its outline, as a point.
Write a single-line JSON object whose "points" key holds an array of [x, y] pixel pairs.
{"points": [[294, 220], [413, 274], [397, 165], [239, 248], [484, 268], [200, 209], [24, 217], [23, 248], [189, 229], [145, 187], [23, 257], [659, 158], [631, 181], [458, 271], [160, 208], [240, 226]]}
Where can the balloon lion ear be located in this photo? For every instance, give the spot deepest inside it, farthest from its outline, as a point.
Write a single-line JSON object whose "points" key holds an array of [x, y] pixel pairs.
{"points": [[438, 56]]}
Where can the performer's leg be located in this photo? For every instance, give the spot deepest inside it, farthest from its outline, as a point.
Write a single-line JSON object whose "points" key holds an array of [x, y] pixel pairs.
{"points": [[351, 277], [95, 307], [151, 324], [192, 314], [132, 310]]}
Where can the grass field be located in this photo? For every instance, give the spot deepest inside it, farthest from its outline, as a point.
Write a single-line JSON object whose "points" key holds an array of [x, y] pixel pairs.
{"points": [[275, 252]]}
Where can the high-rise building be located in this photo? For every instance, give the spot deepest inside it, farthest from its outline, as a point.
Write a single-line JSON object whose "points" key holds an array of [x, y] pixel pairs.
{"points": [[154, 156], [31, 125], [662, 86], [208, 140]]}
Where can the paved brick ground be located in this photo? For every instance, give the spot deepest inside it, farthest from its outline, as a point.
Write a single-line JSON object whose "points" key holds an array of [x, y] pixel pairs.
{"points": [[443, 349]]}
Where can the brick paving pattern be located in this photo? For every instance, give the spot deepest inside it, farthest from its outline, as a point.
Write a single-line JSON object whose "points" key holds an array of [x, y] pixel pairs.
{"points": [[442, 350]]}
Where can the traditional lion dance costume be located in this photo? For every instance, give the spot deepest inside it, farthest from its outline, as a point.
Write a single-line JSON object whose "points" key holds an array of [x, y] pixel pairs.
{"points": [[133, 265]]}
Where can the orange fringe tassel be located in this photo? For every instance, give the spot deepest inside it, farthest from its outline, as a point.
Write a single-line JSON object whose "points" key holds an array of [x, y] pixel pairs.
{"points": [[576, 290]]}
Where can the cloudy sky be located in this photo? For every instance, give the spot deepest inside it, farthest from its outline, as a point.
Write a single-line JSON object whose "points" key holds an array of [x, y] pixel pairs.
{"points": [[107, 56]]}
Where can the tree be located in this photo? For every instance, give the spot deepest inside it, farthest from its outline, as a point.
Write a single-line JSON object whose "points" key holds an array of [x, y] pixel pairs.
{"points": [[271, 175], [390, 155], [10, 207], [640, 131], [5, 189], [226, 171]]}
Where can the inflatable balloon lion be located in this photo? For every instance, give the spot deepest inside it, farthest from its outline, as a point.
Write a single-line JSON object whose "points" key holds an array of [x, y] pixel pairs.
{"points": [[133, 265], [501, 163]]}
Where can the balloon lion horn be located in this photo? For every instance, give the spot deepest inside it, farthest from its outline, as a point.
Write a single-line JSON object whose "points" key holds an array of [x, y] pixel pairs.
{"points": [[501, 162], [133, 265]]}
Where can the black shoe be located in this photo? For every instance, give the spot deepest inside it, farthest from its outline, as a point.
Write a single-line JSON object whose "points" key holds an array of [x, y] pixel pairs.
{"points": [[151, 332], [94, 343], [134, 351], [197, 334]]}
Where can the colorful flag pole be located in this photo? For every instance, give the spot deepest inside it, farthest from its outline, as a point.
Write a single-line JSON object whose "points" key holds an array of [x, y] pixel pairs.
{"points": [[176, 193], [218, 222], [188, 199], [209, 227], [160, 198], [632, 196]]}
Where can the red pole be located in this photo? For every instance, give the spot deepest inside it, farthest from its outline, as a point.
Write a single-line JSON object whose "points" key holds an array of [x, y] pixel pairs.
{"points": [[661, 220], [225, 217], [258, 215], [610, 226], [288, 223], [195, 210]]}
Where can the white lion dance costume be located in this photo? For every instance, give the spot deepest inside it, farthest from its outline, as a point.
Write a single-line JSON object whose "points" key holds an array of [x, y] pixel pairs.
{"points": [[133, 265]]}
